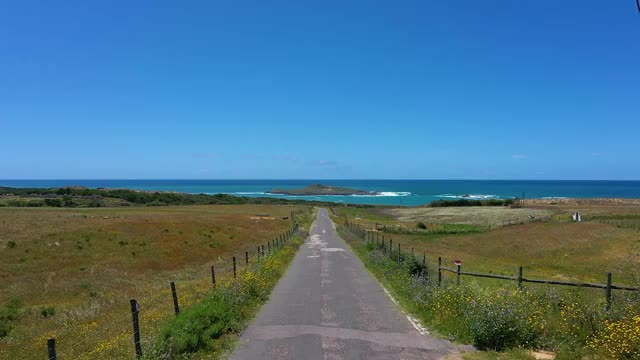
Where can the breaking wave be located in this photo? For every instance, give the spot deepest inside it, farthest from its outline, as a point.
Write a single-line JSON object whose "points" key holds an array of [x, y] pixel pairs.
{"points": [[386, 193], [468, 196]]}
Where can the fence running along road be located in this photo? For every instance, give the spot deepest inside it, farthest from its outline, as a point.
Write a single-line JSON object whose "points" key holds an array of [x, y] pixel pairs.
{"points": [[272, 246], [368, 235], [328, 306]]}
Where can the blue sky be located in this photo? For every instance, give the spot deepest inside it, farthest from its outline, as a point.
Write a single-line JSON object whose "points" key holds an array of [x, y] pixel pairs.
{"points": [[324, 89]]}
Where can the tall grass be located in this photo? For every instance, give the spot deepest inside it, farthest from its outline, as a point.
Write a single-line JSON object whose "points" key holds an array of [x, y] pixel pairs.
{"points": [[498, 319], [209, 326], [8, 315], [433, 228]]}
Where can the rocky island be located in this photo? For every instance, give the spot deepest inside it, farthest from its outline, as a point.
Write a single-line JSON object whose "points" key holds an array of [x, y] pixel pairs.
{"points": [[320, 189]]}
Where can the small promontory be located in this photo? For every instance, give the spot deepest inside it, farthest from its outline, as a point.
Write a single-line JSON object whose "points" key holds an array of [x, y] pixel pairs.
{"points": [[320, 189]]}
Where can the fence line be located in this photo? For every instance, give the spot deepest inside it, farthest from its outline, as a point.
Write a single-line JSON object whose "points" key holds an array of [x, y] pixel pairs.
{"points": [[272, 246], [368, 236]]}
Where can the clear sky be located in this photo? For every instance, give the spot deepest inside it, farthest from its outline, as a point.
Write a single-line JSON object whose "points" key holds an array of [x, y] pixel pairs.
{"points": [[491, 89]]}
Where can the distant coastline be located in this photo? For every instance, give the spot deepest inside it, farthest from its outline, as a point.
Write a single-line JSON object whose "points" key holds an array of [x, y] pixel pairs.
{"points": [[322, 189], [388, 192]]}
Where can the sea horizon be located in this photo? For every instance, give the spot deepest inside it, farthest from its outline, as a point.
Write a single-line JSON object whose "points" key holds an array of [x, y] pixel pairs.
{"points": [[410, 192]]}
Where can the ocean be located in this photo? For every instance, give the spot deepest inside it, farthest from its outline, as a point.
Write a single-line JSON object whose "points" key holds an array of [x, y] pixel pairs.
{"points": [[392, 192]]}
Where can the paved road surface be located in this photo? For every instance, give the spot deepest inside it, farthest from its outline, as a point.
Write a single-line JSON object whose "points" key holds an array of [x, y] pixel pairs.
{"points": [[328, 306]]}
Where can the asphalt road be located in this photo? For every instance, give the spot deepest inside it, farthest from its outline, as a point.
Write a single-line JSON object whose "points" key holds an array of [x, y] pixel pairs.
{"points": [[328, 306]]}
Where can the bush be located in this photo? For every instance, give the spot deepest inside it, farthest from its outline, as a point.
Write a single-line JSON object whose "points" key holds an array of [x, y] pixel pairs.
{"points": [[194, 329], [68, 201], [11, 244], [47, 311], [502, 319], [53, 202], [421, 225], [8, 315], [225, 310], [619, 339]]}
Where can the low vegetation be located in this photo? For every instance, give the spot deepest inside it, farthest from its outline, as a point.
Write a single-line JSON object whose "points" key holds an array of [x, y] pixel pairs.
{"points": [[433, 229], [8, 315], [557, 249], [209, 326], [75, 269], [493, 314], [86, 197], [570, 323], [471, 202]]}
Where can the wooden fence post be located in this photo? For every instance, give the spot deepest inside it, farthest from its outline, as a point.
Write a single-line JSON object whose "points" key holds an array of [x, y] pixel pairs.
{"points": [[609, 281], [51, 347], [439, 270], [234, 267], [269, 247], [390, 248], [520, 278], [263, 250], [213, 276], [135, 309], [174, 293], [246, 257], [399, 252], [458, 273]]}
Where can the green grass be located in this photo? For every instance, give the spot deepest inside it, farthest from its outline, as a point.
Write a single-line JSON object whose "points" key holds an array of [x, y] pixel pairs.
{"points": [[557, 249], [500, 318], [87, 263], [211, 325], [372, 215], [86, 197], [433, 229], [9, 313]]}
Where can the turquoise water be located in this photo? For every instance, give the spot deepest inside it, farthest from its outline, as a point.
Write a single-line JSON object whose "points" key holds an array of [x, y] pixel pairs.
{"points": [[394, 192]]}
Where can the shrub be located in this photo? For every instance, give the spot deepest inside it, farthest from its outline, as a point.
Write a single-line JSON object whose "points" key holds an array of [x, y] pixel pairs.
{"points": [[53, 202], [421, 225], [224, 310], [47, 311], [67, 201], [618, 340], [502, 319], [8, 315], [11, 244], [194, 329]]}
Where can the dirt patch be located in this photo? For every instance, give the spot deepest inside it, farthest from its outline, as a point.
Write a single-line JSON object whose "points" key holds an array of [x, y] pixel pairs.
{"points": [[543, 355], [261, 218]]}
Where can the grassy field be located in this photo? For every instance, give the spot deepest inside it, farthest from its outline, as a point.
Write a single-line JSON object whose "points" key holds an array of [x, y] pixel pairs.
{"points": [[71, 272], [555, 249], [486, 216], [573, 323]]}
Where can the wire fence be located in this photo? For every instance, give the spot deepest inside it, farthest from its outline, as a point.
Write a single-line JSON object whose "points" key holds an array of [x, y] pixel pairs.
{"points": [[386, 246], [149, 310]]}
